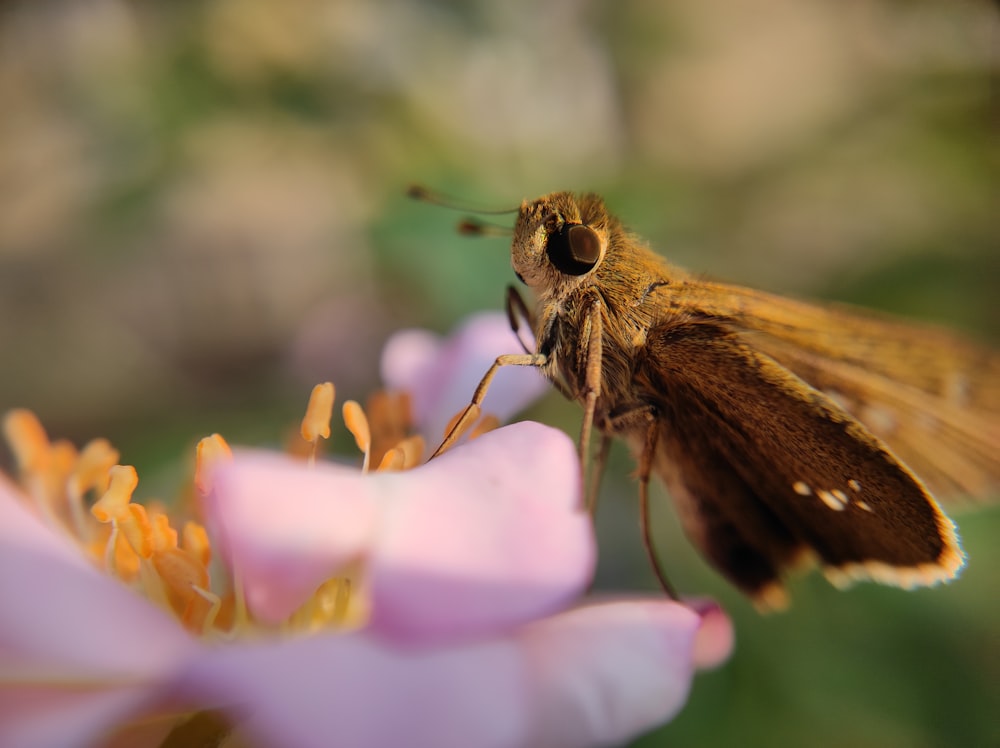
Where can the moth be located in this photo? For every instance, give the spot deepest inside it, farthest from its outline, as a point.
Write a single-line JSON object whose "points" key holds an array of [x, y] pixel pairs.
{"points": [[769, 420]]}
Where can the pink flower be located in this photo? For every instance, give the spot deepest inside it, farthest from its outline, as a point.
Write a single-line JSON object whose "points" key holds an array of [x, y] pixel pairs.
{"points": [[470, 571], [322, 605], [79, 652], [461, 545], [464, 569], [441, 374]]}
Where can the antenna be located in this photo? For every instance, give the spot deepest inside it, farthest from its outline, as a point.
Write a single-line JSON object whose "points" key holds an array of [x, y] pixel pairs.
{"points": [[467, 226], [427, 195], [475, 227]]}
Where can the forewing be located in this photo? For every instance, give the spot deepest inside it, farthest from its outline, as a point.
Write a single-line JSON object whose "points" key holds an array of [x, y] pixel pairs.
{"points": [[738, 424], [953, 447], [932, 396]]}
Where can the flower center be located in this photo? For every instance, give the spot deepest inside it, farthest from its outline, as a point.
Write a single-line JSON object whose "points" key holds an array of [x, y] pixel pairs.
{"points": [[167, 557]]}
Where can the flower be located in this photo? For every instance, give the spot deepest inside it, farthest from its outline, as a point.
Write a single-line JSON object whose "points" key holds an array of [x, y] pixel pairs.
{"points": [[460, 545], [308, 604], [441, 374]]}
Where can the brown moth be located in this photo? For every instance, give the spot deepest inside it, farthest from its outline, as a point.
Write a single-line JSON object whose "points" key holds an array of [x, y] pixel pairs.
{"points": [[769, 420]]}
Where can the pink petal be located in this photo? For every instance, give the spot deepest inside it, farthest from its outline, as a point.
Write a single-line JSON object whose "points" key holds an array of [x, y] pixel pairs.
{"points": [[70, 717], [716, 636], [350, 691], [592, 676], [21, 527], [486, 536], [285, 527], [441, 375], [46, 584], [605, 672], [70, 636]]}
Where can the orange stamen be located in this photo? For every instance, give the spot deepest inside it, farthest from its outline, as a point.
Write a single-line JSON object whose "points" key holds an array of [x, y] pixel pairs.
{"points": [[90, 470], [121, 558], [138, 530], [316, 422], [180, 571], [27, 439], [413, 450], [93, 467], [194, 540], [210, 452], [390, 419], [392, 461], [357, 424], [114, 503], [487, 423], [164, 537], [136, 542]]}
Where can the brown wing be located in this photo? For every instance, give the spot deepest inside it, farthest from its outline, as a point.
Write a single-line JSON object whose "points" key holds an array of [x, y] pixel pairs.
{"points": [[954, 448], [767, 469], [933, 397]]}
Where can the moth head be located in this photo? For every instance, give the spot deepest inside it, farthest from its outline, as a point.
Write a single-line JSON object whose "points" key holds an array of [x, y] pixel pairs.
{"points": [[559, 239]]}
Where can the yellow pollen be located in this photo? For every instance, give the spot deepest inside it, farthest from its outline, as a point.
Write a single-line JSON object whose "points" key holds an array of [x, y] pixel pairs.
{"points": [[210, 452], [338, 602], [316, 422]]}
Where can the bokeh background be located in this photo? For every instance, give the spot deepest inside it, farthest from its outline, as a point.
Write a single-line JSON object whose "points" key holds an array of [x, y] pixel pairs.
{"points": [[202, 215]]}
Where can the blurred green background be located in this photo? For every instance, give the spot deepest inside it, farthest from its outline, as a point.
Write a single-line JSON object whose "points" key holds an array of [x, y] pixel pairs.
{"points": [[202, 215]]}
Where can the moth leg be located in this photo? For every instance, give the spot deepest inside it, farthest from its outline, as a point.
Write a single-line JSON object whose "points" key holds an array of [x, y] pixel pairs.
{"points": [[645, 468], [625, 420], [517, 312], [597, 472], [593, 334], [472, 411]]}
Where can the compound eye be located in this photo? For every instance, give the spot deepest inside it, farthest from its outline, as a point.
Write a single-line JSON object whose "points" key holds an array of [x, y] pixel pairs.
{"points": [[574, 249], [584, 244]]}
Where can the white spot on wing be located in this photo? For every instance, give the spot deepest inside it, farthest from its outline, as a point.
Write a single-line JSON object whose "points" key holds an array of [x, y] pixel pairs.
{"points": [[831, 500], [853, 485], [802, 489]]}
